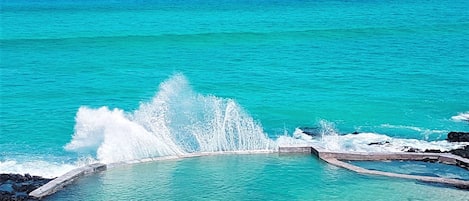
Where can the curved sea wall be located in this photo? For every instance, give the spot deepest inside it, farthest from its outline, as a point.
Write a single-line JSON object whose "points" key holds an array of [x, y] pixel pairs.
{"points": [[60, 182], [333, 158]]}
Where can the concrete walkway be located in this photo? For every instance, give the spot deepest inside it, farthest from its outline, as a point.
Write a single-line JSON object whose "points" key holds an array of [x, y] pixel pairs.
{"points": [[454, 182], [335, 158]]}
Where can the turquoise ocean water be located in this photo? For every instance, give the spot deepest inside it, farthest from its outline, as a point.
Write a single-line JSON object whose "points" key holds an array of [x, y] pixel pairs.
{"points": [[114, 81]]}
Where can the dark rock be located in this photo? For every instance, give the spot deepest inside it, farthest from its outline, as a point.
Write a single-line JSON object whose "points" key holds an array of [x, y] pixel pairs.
{"points": [[463, 187], [463, 152], [17, 187], [414, 150], [379, 143], [458, 137], [355, 133], [312, 131], [27, 186], [434, 151], [20, 196], [431, 160], [6, 188], [411, 149]]}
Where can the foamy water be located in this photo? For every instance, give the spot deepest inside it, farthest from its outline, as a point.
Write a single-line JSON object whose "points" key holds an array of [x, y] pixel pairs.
{"points": [[177, 121], [463, 116], [330, 139], [47, 169]]}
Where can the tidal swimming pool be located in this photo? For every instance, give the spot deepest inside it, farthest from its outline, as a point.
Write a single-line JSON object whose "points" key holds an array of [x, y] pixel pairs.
{"points": [[247, 177]]}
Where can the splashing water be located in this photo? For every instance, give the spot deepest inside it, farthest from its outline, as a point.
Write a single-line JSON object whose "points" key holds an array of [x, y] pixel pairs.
{"points": [[177, 121], [463, 116], [329, 139], [329, 135]]}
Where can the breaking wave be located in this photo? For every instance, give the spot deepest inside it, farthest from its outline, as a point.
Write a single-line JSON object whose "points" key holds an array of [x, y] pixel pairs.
{"points": [[176, 122], [464, 116], [328, 137], [47, 169]]}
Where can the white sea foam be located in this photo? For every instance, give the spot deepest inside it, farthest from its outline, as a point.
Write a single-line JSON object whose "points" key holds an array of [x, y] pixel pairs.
{"points": [[287, 141], [370, 142], [414, 128], [464, 116], [177, 121], [39, 168], [46, 169]]}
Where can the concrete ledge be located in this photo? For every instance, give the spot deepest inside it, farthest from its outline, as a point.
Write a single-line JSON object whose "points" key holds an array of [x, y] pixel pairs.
{"points": [[330, 157], [454, 182], [192, 155], [440, 157], [335, 157], [295, 150], [59, 182]]}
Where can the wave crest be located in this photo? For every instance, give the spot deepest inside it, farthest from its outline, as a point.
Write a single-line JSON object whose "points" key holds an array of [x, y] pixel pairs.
{"points": [[176, 121], [330, 140], [464, 116]]}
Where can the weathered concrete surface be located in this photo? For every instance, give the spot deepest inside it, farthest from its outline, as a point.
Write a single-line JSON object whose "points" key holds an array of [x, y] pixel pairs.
{"points": [[330, 157], [59, 182], [447, 158], [295, 149], [454, 182], [191, 155]]}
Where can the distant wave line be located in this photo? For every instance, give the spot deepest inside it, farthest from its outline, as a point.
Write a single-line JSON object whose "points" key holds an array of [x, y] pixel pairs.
{"points": [[241, 36]]}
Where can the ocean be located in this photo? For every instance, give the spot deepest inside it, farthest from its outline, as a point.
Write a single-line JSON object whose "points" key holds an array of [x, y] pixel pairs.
{"points": [[116, 81]]}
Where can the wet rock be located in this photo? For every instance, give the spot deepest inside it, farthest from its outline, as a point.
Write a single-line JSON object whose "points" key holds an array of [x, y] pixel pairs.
{"points": [[463, 152], [458, 137], [379, 143], [17, 187], [20, 196], [312, 131], [411, 149], [431, 160], [434, 151], [6, 188]]}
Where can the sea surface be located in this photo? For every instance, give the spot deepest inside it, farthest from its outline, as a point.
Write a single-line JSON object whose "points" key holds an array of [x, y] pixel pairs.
{"points": [[116, 81]]}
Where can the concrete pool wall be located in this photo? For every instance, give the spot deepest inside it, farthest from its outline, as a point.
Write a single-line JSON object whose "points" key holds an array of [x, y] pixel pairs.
{"points": [[333, 158]]}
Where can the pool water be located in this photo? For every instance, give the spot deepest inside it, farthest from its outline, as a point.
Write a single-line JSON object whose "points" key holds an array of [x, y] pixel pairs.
{"points": [[247, 177]]}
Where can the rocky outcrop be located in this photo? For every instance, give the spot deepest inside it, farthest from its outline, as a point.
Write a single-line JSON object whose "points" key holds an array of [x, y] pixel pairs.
{"points": [[458, 137], [17, 187], [379, 143], [311, 131], [452, 137], [463, 152]]}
